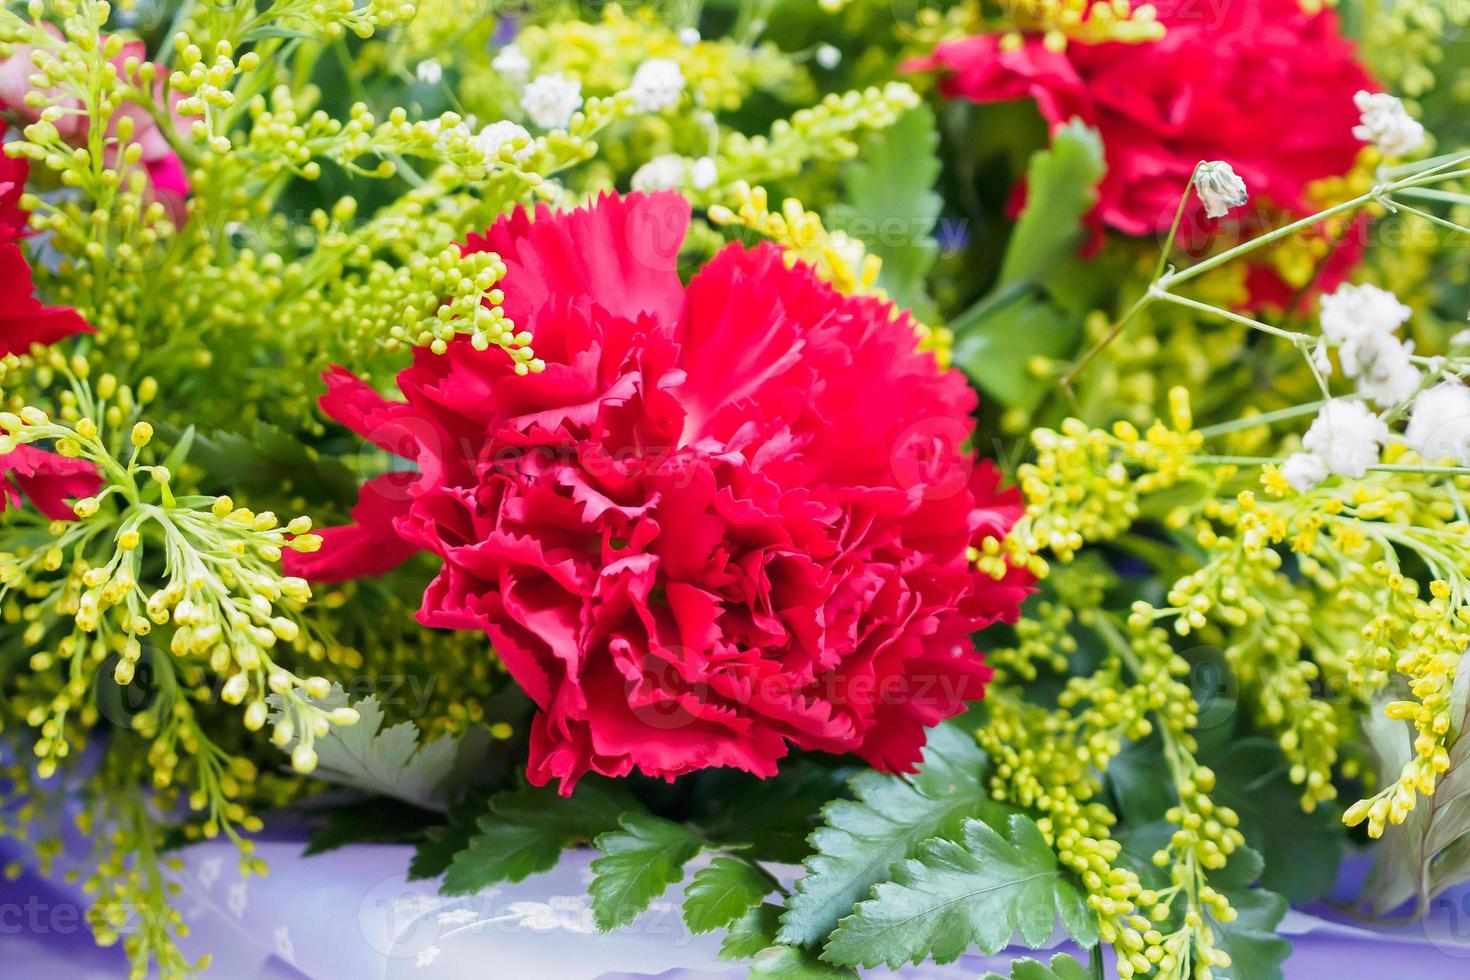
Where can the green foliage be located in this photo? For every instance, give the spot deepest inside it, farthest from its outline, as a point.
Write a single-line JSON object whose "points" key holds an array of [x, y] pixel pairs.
{"points": [[1061, 188], [638, 864], [390, 761], [375, 821], [890, 204], [1256, 951], [863, 838], [1302, 851], [1033, 311], [1061, 967], [753, 938], [957, 894], [525, 831], [719, 895]]}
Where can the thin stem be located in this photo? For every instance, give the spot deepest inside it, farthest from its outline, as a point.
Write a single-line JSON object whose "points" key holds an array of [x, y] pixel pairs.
{"points": [[1265, 418], [1159, 292], [1112, 335]]}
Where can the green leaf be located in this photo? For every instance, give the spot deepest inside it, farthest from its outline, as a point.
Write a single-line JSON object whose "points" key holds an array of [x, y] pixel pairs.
{"points": [[995, 342], [526, 830], [375, 821], [638, 864], [1061, 967], [1061, 188], [266, 460], [1256, 950], [891, 206], [723, 892], [861, 839], [440, 844], [1140, 782], [390, 761], [955, 896], [773, 816], [753, 937], [1302, 850]]}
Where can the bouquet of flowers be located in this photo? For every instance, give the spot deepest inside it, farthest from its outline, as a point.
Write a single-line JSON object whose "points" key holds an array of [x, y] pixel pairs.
{"points": [[1008, 461]]}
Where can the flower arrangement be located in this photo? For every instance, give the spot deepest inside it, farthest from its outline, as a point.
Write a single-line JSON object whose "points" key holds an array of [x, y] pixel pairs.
{"points": [[1052, 517]]}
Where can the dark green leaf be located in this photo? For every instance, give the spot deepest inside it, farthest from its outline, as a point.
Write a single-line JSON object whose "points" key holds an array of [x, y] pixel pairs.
{"points": [[638, 864], [862, 839], [1061, 967], [773, 816], [376, 821], [268, 460], [753, 937], [723, 892], [440, 844], [890, 205], [1140, 782], [995, 345], [957, 895], [526, 830], [1061, 187], [1256, 950], [1302, 851]]}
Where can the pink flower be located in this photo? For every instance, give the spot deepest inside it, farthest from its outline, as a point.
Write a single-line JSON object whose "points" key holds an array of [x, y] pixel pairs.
{"points": [[729, 518], [1261, 84]]}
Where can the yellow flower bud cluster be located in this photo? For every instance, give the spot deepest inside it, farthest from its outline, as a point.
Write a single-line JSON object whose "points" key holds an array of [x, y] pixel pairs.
{"points": [[840, 259]]}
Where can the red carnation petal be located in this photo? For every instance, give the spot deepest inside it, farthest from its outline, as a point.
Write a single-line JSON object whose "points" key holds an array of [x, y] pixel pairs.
{"points": [[49, 481], [24, 320], [368, 547]]}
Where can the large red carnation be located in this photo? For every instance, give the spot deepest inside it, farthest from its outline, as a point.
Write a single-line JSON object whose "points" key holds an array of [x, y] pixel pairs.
{"points": [[728, 518], [1260, 84]]}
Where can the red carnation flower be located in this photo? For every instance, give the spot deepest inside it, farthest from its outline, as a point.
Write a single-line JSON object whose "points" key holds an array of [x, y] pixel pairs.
{"points": [[1261, 84], [45, 479], [728, 518]]}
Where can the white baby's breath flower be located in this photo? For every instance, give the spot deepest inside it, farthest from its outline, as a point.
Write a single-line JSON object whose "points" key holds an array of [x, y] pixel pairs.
{"points": [[430, 72], [1380, 363], [1320, 360], [1219, 188], [661, 173], [689, 36], [657, 84], [828, 57], [703, 174], [1356, 311], [498, 134], [512, 63], [1387, 124], [1304, 471], [550, 100], [1439, 425], [1347, 437]]}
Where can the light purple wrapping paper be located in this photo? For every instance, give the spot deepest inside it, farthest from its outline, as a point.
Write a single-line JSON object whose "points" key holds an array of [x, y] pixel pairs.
{"points": [[351, 915]]}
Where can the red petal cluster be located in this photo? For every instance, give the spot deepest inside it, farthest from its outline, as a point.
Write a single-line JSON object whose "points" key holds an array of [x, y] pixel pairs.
{"points": [[45, 478], [1260, 84], [729, 518]]}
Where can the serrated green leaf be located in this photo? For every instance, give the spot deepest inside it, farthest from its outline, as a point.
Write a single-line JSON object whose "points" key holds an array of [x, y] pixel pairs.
{"points": [[976, 892], [1256, 950], [1061, 967], [436, 851], [1140, 782], [891, 206], [862, 839], [391, 761], [995, 342], [526, 830], [638, 864], [1061, 188], [753, 937], [723, 892]]}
